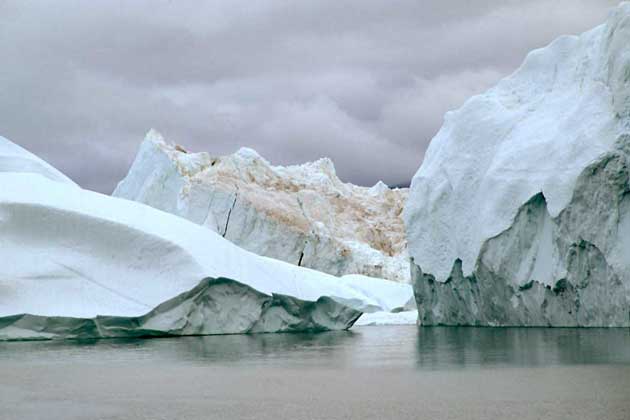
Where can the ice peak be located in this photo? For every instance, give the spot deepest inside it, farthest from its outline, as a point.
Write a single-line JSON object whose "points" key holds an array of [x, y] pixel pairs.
{"points": [[154, 136], [379, 188], [248, 153]]}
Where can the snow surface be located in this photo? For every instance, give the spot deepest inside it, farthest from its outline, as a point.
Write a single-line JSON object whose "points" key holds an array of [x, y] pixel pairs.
{"points": [[388, 295], [535, 132], [388, 318], [302, 214], [13, 158]]}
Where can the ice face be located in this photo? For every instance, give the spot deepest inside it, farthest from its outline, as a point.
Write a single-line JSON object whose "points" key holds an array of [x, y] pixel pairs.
{"points": [[520, 166], [322, 223]]}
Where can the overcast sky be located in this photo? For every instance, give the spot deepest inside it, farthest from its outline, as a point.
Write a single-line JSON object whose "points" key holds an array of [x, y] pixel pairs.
{"points": [[363, 82]]}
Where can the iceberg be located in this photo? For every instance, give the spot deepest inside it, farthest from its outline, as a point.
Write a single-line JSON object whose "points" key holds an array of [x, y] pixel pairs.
{"points": [[301, 214], [79, 264], [520, 212]]}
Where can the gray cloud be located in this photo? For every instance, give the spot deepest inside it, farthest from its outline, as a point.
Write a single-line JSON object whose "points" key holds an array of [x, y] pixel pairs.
{"points": [[365, 83]]}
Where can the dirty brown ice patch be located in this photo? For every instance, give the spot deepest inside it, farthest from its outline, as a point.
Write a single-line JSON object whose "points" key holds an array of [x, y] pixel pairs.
{"points": [[322, 222]]}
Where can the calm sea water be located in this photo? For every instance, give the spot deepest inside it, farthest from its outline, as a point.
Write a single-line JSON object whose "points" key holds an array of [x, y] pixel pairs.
{"points": [[370, 372]]}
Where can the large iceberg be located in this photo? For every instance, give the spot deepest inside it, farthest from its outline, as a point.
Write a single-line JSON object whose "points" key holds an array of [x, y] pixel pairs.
{"points": [[301, 214], [520, 212], [81, 264]]}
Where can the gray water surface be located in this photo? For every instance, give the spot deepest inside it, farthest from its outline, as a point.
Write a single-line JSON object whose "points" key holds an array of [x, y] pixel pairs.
{"points": [[370, 372]]}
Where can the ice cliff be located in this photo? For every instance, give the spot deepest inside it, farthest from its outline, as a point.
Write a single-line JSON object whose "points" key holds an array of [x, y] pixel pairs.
{"points": [[520, 212], [301, 214], [79, 264]]}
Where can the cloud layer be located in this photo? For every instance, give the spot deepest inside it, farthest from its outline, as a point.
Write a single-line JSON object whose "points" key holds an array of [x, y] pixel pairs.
{"points": [[365, 83]]}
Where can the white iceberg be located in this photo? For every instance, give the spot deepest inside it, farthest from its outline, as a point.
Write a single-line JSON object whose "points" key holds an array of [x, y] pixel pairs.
{"points": [[520, 212], [302, 214], [81, 264]]}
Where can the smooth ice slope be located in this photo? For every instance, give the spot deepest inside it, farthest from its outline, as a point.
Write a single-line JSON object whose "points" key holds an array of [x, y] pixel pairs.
{"points": [[519, 213], [13, 158], [301, 214], [388, 318], [386, 295]]}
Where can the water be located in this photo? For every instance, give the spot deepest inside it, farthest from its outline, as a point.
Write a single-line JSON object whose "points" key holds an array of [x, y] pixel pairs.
{"points": [[370, 372]]}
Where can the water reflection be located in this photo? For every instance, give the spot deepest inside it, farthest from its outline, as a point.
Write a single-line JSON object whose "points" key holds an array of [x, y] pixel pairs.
{"points": [[407, 346], [469, 347], [256, 348]]}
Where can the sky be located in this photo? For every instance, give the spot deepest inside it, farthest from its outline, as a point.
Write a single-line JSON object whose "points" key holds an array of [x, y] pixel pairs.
{"points": [[363, 82]]}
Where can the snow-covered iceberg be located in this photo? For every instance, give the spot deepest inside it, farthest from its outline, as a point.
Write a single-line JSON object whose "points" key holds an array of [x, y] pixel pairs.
{"points": [[520, 212], [301, 214], [81, 264]]}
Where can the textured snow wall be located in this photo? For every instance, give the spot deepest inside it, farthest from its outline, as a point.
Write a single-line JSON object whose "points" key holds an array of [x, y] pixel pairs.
{"points": [[518, 214]]}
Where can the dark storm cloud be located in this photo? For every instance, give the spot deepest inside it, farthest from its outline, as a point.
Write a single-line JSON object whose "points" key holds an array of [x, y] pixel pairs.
{"points": [[363, 82]]}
